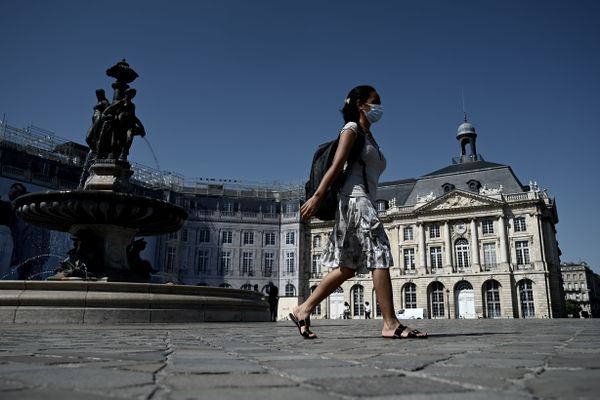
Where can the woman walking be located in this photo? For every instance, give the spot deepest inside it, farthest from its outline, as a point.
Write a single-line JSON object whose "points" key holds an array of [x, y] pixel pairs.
{"points": [[358, 243]]}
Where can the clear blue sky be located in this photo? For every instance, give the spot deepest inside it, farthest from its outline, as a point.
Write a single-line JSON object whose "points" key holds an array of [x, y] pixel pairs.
{"points": [[247, 89]]}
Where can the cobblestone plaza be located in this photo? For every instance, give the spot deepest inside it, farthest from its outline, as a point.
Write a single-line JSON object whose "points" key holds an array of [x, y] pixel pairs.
{"points": [[462, 359]]}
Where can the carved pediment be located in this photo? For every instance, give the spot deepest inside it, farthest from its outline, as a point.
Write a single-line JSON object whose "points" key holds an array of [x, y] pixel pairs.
{"points": [[458, 199]]}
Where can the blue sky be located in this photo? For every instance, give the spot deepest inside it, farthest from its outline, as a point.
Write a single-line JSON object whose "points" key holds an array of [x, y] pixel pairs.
{"points": [[247, 89]]}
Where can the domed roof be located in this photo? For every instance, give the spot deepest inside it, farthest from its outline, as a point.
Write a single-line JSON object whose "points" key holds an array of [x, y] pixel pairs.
{"points": [[465, 129]]}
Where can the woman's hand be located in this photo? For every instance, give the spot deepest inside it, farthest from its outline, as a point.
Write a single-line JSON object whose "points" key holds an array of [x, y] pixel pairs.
{"points": [[310, 208]]}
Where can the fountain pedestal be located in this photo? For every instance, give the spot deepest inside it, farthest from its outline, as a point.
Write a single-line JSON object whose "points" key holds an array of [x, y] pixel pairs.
{"points": [[110, 175]]}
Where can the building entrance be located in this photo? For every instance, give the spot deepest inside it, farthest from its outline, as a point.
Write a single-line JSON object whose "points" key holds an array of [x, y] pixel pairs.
{"points": [[465, 300], [336, 304]]}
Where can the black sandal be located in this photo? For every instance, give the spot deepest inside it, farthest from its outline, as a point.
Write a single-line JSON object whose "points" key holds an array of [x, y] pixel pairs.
{"points": [[414, 334], [307, 334]]}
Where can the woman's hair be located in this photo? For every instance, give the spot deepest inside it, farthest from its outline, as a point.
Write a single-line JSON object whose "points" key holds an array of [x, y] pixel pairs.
{"points": [[350, 111]]}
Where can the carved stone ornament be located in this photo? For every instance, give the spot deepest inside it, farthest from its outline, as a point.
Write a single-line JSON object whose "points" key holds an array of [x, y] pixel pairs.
{"points": [[427, 198], [458, 201], [490, 191]]}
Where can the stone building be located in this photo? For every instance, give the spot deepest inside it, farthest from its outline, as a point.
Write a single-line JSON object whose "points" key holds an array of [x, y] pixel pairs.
{"points": [[236, 236], [582, 285], [468, 241]]}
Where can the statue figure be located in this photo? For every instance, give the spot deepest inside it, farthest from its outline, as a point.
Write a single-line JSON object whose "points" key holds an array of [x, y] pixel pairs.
{"points": [[141, 267], [94, 132], [130, 123]]}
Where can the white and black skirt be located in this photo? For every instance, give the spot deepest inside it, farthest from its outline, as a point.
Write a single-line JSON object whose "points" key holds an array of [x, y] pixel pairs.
{"points": [[358, 240]]}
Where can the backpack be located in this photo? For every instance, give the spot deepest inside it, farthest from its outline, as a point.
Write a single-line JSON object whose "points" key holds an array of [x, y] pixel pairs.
{"points": [[322, 160]]}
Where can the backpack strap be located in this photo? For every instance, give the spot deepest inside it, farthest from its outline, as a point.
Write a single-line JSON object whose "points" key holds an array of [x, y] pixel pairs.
{"points": [[361, 161]]}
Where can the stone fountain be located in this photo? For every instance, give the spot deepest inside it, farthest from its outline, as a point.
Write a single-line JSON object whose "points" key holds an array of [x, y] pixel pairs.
{"points": [[103, 279]]}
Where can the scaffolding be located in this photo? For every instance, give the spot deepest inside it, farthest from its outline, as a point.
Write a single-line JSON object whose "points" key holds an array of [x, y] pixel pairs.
{"points": [[45, 144]]}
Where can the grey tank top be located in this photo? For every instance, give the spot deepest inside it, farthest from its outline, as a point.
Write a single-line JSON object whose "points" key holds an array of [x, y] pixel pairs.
{"points": [[375, 165]]}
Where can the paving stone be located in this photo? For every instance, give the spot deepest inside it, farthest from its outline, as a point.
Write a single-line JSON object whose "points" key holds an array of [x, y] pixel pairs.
{"points": [[560, 384], [466, 359]]}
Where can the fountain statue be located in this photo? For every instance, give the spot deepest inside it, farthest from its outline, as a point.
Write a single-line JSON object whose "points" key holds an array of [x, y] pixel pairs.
{"points": [[103, 278], [102, 216]]}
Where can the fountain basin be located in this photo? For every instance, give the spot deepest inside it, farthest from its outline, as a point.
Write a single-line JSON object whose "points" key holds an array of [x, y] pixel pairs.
{"points": [[86, 302], [60, 210]]}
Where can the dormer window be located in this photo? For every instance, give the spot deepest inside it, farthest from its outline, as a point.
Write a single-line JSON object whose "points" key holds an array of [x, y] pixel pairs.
{"points": [[474, 185], [382, 205], [447, 187]]}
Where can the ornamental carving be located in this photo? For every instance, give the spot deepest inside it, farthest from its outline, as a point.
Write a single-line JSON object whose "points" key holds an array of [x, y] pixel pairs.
{"points": [[457, 201], [490, 191]]}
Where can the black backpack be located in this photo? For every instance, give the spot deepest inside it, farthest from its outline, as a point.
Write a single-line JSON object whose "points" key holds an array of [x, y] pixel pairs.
{"points": [[322, 160]]}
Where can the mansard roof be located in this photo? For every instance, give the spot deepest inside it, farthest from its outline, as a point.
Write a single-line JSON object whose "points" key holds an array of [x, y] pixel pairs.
{"points": [[399, 190], [490, 175]]}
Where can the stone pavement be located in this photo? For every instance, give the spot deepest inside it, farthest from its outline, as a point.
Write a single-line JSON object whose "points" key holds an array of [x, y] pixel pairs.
{"points": [[463, 359]]}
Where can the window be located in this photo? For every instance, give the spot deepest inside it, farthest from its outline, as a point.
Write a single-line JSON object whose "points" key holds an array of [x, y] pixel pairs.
{"points": [[358, 306], [290, 238], [225, 285], [171, 258], [526, 297], [270, 239], [520, 225], [184, 235], [447, 187], [248, 238], [228, 207], [269, 264], [408, 233], [247, 263], [437, 300], [290, 290], [462, 254], [247, 286], [489, 256], [487, 226], [474, 185], [317, 241], [172, 235], [435, 255], [410, 295], [316, 264], [202, 265], [317, 309], [381, 205], [522, 250], [203, 236], [227, 237], [290, 262], [492, 299], [409, 259], [434, 231], [289, 208], [225, 262]]}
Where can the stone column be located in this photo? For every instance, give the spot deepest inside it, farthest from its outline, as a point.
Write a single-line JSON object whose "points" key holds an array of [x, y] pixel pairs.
{"points": [[448, 251], [422, 267], [476, 264], [503, 243]]}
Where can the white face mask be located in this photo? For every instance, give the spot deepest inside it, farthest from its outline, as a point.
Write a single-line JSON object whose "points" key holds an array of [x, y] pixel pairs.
{"points": [[375, 113]]}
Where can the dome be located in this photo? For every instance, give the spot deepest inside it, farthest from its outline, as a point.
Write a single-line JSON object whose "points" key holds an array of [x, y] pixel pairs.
{"points": [[465, 129]]}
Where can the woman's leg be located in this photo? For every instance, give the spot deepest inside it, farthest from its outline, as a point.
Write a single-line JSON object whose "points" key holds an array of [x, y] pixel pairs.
{"points": [[383, 290], [385, 297], [332, 281]]}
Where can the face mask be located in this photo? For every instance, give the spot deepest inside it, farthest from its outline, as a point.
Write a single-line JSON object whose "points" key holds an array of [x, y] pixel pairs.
{"points": [[375, 113]]}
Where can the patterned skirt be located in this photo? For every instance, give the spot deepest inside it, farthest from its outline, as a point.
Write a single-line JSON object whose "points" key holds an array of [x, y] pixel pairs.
{"points": [[358, 240]]}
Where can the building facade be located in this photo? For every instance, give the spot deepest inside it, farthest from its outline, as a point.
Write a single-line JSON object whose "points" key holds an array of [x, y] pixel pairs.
{"points": [[468, 241], [582, 286]]}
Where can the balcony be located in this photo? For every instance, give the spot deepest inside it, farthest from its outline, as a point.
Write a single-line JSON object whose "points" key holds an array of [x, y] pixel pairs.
{"points": [[316, 275], [490, 267], [524, 267]]}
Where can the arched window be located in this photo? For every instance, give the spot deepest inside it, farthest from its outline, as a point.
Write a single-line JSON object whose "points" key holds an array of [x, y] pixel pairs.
{"points": [[526, 297], [225, 285], [492, 299], [317, 309], [410, 295], [290, 290], [317, 241], [461, 248], [358, 300], [437, 300], [247, 286]]}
